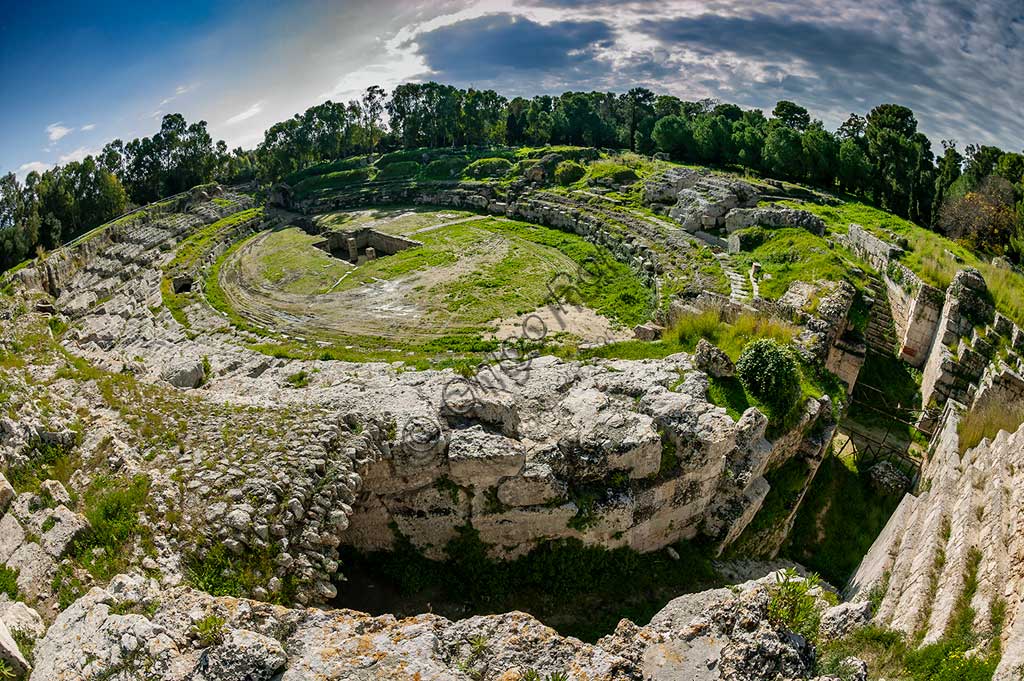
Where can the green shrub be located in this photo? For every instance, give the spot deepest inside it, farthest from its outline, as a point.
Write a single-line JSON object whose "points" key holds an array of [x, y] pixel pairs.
{"points": [[769, 373], [398, 170], [209, 630], [488, 167], [793, 605], [9, 582], [568, 172], [446, 168]]}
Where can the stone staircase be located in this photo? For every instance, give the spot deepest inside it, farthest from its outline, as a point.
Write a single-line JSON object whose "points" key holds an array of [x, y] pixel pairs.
{"points": [[881, 331], [739, 284]]}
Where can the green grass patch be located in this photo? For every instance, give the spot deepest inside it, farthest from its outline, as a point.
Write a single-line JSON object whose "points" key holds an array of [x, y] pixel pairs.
{"points": [[729, 393], [44, 462], [329, 181], [930, 255], [112, 506], [398, 170], [193, 249], [288, 259], [487, 167], [9, 582], [350, 163], [841, 516], [220, 573], [790, 254]]}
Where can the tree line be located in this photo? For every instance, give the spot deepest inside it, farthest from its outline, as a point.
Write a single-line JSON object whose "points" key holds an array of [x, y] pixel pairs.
{"points": [[880, 157]]}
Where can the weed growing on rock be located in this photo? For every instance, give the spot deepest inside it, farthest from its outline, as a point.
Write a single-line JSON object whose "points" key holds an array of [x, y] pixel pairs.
{"points": [[9, 582], [209, 630], [793, 603]]}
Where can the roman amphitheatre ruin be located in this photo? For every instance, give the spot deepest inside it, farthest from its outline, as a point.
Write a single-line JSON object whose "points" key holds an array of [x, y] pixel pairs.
{"points": [[369, 422]]}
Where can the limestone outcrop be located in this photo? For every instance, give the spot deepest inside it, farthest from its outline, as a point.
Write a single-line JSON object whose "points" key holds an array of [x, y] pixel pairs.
{"points": [[133, 630]]}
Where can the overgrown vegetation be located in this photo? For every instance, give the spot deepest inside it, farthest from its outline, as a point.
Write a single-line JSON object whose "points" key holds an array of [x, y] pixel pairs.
{"points": [[579, 590], [789, 254], [793, 603], [219, 573], [9, 582], [961, 654], [839, 519], [112, 506]]}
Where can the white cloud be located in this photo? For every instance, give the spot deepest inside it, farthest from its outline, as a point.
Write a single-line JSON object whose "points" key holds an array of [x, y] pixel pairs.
{"points": [[178, 92], [245, 115], [26, 168], [55, 131], [88, 127], [76, 155]]}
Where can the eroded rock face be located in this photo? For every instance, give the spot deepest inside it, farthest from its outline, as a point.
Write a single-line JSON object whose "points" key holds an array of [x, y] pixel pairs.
{"points": [[710, 636]]}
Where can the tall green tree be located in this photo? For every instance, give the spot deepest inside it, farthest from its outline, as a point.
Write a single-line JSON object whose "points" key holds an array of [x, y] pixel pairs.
{"points": [[890, 132], [791, 115]]}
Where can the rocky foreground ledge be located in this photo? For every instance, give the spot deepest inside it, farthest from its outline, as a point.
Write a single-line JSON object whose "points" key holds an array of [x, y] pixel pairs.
{"points": [[133, 630]]}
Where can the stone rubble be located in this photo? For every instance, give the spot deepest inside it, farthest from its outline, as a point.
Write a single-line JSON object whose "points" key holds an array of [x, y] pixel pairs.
{"points": [[135, 630]]}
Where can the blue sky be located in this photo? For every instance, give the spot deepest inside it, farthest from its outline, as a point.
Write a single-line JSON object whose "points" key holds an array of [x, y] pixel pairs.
{"points": [[74, 75]]}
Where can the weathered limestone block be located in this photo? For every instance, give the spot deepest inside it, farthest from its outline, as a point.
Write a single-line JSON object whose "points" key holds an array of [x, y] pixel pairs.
{"points": [[10, 653], [185, 373], [741, 218], [6, 493], [429, 517], [35, 567], [11, 536], [19, 617], [712, 361], [611, 440], [521, 528], [242, 656], [56, 492], [843, 619], [535, 486], [67, 526], [479, 458]]}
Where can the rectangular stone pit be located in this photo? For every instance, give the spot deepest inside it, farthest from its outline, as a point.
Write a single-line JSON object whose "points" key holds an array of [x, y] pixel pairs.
{"points": [[361, 245]]}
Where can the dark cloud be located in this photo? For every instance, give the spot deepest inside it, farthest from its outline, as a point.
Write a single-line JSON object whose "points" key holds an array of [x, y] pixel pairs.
{"points": [[956, 63], [859, 53], [491, 47]]}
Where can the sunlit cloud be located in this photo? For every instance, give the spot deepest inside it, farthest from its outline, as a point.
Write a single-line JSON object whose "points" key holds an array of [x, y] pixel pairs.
{"points": [[56, 131], [89, 126], [33, 166], [76, 155], [245, 115]]}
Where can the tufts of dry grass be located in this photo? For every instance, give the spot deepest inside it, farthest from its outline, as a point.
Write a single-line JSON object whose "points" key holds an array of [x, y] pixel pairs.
{"points": [[987, 421]]}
